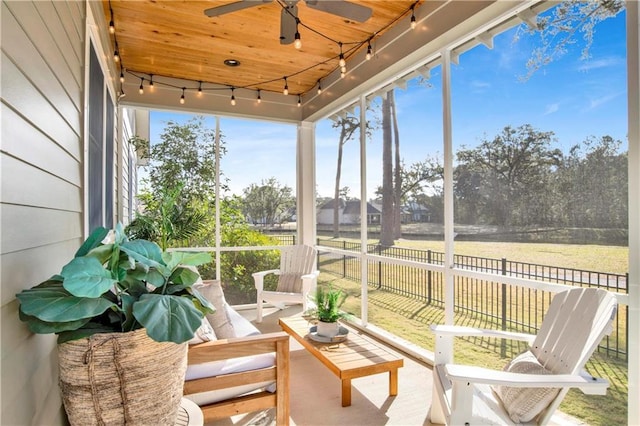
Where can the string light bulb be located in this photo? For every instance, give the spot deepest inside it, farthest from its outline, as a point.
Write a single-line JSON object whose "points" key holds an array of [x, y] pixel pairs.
{"points": [[199, 88], [368, 57], [233, 97], [286, 87], [343, 70], [121, 76], [116, 54], [151, 82], [182, 97], [342, 62], [299, 101], [141, 89], [297, 43], [259, 97], [342, 74], [319, 87], [112, 27], [413, 18]]}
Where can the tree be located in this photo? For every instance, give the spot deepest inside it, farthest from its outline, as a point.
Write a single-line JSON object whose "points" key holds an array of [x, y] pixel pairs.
{"points": [[348, 124], [265, 203], [558, 29], [513, 169], [387, 216], [186, 154]]}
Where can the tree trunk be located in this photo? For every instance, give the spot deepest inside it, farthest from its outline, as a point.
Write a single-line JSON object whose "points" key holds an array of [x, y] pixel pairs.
{"points": [[386, 222], [397, 175], [336, 191]]}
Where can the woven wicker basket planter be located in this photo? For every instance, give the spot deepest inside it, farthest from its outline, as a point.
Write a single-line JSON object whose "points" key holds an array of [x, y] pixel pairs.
{"points": [[121, 378]]}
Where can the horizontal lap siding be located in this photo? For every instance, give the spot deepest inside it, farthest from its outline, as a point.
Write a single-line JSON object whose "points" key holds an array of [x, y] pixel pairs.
{"points": [[41, 159]]}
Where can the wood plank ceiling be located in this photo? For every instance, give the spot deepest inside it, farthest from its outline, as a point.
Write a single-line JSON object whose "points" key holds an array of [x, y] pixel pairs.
{"points": [[176, 39]]}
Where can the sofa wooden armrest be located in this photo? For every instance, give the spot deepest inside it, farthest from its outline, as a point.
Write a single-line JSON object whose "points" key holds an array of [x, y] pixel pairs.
{"points": [[277, 343]]}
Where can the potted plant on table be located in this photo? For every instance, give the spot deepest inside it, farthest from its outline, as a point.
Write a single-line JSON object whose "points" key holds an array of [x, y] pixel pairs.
{"points": [[326, 311], [122, 310]]}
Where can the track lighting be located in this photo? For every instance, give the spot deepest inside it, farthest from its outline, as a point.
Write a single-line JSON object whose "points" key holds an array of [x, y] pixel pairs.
{"points": [[182, 97], [141, 89], [259, 98], [233, 98], [286, 87]]}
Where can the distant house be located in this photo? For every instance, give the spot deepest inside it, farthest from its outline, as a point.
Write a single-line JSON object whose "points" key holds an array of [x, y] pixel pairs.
{"points": [[348, 213], [418, 212]]}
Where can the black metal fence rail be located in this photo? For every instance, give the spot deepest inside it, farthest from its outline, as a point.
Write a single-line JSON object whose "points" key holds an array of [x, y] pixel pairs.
{"points": [[503, 305]]}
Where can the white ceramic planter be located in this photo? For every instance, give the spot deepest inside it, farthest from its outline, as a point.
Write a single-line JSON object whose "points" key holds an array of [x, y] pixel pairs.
{"points": [[328, 329]]}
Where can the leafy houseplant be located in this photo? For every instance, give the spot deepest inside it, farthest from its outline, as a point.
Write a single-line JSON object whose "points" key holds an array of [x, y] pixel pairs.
{"points": [[123, 311], [327, 310], [116, 285]]}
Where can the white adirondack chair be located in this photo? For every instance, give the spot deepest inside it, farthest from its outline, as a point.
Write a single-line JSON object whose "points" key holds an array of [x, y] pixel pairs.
{"points": [[296, 279], [574, 325]]}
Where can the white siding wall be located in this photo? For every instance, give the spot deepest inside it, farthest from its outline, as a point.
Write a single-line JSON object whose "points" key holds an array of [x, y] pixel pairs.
{"points": [[41, 202]]}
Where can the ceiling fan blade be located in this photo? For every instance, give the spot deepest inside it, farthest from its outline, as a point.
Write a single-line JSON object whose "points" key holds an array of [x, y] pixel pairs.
{"points": [[352, 11], [233, 7], [288, 24]]}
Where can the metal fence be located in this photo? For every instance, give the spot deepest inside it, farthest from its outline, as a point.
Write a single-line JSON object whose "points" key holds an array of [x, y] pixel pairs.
{"points": [[507, 306]]}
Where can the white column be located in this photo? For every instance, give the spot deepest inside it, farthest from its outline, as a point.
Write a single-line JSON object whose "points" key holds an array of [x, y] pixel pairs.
{"points": [[218, 235], [306, 184], [364, 222], [633, 88], [448, 187]]}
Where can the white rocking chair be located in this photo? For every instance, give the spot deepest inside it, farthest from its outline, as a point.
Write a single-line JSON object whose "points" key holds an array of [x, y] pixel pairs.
{"points": [[533, 385], [296, 279]]}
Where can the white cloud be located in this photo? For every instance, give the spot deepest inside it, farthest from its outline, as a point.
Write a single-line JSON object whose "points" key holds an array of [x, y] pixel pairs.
{"points": [[551, 108], [611, 61]]}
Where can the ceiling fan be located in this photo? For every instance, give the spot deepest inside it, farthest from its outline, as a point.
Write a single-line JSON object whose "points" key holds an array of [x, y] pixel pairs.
{"points": [[289, 14]]}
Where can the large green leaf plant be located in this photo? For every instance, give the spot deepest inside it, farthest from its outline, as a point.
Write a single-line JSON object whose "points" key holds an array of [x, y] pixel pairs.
{"points": [[114, 284]]}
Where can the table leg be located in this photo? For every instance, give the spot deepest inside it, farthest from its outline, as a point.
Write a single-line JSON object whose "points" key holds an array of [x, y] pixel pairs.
{"points": [[393, 382], [346, 392]]}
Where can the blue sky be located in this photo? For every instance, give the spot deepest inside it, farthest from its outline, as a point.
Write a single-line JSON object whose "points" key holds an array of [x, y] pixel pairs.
{"points": [[575, 98]]}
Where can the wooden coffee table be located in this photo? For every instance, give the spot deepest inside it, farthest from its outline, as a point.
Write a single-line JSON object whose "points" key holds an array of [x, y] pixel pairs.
{"points": [[357, 356]]}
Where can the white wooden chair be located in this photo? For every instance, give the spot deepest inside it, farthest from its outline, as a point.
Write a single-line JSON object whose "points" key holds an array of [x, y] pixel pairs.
{"points": [[574, 325], [296, 279]]}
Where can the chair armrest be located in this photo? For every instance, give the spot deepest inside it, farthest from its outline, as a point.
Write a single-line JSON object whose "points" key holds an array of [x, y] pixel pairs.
{"points": [[467, 373], [459, 331], [312, 276], [258, 277], [236, 347]]}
